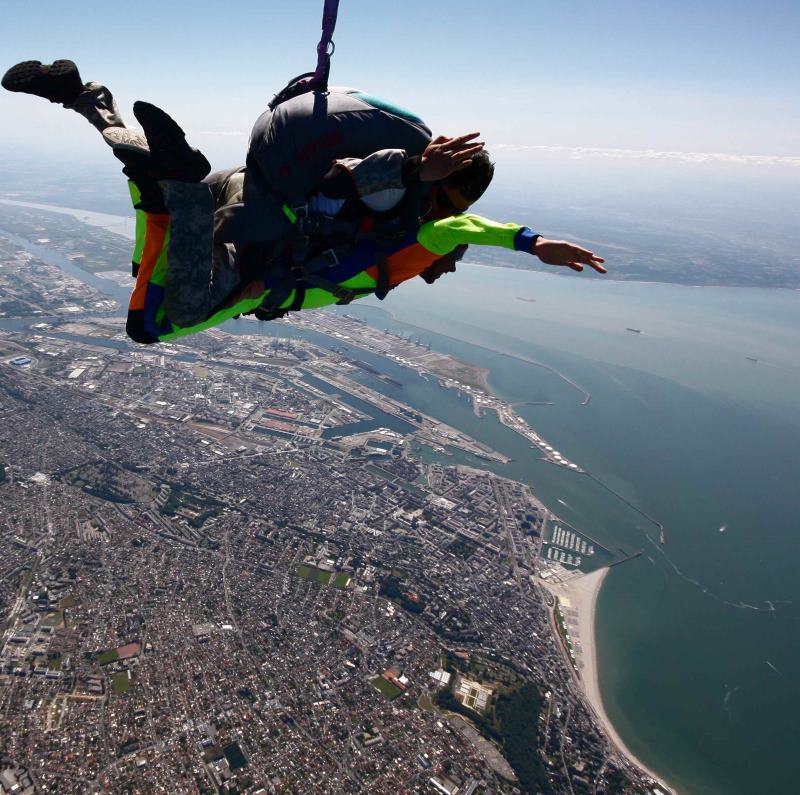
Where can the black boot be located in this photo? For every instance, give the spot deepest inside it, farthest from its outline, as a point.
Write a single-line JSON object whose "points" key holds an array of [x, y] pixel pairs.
{"points": [[171, 157], [58, 82], [139, 169]]}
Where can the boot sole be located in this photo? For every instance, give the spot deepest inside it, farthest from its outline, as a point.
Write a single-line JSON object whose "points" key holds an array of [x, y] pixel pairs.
{"points": [[167, 142], [23, 75], [123, 138]]}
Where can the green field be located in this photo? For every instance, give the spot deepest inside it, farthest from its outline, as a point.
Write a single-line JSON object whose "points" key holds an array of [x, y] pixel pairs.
{"points": [[107, 657], [341, 580], [313, 573], [322, 576], [121, 683], [387, 688]]}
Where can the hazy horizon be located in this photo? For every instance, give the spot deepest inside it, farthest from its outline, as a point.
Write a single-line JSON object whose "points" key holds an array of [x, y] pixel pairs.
{"points": [[654, 218]]}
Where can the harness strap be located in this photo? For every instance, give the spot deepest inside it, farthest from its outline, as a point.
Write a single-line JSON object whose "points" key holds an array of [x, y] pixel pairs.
{"points": [[306, 271], [313, 270], [299, 296], [310, 223], [299, 242]]}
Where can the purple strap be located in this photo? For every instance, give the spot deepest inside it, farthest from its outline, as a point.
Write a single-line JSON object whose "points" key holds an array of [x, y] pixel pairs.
{"points": [[328, 24], [319, 79]]}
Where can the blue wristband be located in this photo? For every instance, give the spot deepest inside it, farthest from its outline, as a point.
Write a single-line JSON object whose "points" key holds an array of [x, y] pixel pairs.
{"points": [[525, 240]]}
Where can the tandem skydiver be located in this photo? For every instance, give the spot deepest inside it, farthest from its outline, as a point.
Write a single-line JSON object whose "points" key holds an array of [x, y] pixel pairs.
{"points": [[343, 195]]}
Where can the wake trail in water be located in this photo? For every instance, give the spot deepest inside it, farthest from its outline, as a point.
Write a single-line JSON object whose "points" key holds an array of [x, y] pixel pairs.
{"points": [[770, 603], [726, 701], [659, 547]]}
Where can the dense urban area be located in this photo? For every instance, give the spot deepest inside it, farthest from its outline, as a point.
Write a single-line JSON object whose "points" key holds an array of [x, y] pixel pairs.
{"points": [[224, 568]]}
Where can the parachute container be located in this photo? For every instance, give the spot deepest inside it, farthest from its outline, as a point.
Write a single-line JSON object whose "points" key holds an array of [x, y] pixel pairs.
{"points": [[292, 146]]}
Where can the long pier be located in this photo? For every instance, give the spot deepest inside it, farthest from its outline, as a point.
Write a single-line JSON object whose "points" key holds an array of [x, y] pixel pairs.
{"points": [[661, 536], [632, 556]]}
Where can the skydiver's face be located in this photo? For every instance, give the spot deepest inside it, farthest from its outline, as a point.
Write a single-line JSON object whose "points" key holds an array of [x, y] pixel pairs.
{"points": [[447, 200]]}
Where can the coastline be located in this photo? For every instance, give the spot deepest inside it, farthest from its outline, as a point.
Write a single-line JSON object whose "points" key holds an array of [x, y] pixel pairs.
{"points": [[121, 225], [118, 224], [610, 278], [579, 594], [112, 223]]}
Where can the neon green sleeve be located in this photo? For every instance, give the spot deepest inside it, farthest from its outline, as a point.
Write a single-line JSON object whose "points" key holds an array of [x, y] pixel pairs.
{"points": [[443, 236]]}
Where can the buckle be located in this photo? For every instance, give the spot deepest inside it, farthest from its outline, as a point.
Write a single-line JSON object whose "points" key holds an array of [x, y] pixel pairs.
{"points": [[299, 220]]}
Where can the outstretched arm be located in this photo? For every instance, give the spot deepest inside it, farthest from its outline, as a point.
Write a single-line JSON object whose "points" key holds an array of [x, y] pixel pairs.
{"points": [[442, 237]]}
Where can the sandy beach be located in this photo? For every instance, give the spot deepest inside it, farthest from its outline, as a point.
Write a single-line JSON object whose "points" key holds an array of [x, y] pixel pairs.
{"points": [[578, 599]]}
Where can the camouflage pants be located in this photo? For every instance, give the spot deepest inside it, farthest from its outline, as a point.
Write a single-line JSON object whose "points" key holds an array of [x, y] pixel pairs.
{"points": [[201, 273], [209, 221]]}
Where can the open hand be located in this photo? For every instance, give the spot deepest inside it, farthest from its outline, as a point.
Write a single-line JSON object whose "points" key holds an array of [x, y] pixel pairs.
{"points": [[559, 252], [444, 156]]}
